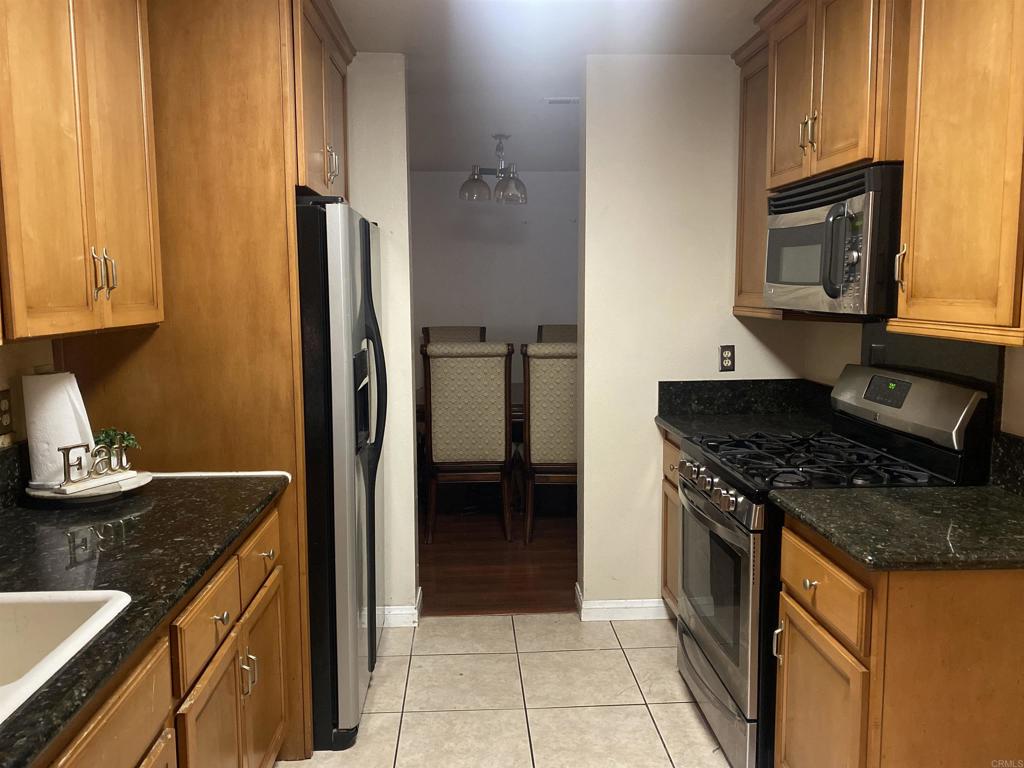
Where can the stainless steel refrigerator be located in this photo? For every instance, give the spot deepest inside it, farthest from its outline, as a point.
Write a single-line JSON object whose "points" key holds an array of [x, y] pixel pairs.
{"points": [[345, 404]]}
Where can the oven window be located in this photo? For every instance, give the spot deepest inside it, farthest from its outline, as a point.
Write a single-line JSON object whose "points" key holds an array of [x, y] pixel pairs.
{"points": [[794, 255], [713, 572]]}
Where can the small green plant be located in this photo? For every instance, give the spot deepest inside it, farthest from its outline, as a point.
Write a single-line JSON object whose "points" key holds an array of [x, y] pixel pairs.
{"points": [[108, 436]]}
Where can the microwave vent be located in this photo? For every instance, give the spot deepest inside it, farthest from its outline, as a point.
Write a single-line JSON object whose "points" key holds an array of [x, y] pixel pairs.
{"points": [[829, 190]]}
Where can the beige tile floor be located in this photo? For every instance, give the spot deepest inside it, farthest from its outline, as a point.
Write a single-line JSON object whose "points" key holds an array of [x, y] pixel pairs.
{"points": [[543, 690]]}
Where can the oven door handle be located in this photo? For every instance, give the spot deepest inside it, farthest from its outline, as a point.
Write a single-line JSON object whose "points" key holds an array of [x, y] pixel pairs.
{"points": [[715, 520]]}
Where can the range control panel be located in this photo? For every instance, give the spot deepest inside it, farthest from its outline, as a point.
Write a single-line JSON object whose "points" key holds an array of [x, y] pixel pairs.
{"points": [[887, 391]]}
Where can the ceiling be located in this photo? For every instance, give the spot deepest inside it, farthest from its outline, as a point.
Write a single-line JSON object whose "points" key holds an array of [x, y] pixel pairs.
{"points": [[477, 67]]}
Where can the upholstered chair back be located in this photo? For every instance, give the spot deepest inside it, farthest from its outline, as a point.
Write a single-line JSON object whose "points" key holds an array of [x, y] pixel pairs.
{"points": [[432, 333], [550, 378], [556, 333], [467, 398]]}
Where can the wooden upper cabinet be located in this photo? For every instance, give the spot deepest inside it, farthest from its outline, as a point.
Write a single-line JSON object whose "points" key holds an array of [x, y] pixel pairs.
{"points": [[842, 114], [821, 696], [336, 134], [752, 197], [114, 42], [790, 44], [323, 52], [962, 175], [47, 271], [837, 79], [261, 641], [77, 168]]}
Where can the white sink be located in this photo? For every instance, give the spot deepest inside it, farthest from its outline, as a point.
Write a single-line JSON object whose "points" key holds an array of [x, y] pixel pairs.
{"points": [[41, 631]]}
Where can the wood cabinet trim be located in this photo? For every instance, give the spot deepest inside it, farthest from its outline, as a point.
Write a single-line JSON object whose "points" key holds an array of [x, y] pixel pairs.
{"points": [[671, 544], [757, 43], [253, 566], [267, 599], [224, 663], [798, 20], [126, 723], [164, 753]]}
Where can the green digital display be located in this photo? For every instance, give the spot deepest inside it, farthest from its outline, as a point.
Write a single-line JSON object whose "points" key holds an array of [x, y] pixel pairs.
{"points": [[888, 391]]}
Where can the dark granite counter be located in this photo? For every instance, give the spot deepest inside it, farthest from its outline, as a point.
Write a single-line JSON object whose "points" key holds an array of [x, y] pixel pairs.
{"points": [[156, 546], [742, 423], [948, 528]]}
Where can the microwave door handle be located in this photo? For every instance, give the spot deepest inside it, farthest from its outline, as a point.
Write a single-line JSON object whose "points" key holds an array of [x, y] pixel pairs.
{"points": [[828, 251]]}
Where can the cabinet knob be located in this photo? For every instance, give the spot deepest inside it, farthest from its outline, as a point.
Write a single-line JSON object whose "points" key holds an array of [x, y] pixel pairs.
{"points": [[270, 554], [809, 585], [223, 618], [671, 467]]}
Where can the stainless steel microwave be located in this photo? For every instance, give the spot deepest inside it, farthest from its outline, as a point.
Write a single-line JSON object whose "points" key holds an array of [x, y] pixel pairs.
{"points": [[832, 243]]}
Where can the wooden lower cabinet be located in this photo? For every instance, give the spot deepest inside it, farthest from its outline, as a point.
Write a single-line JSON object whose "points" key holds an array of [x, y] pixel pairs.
{"points": [[164, 753], [932, 681], [821, 696], [671, 543], [261, 633], [209, 721]]}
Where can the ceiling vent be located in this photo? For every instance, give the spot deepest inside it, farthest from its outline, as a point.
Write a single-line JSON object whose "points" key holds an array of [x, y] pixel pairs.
{"points": [[562, 100]]}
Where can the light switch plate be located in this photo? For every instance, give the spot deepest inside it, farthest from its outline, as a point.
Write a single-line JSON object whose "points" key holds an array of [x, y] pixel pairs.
{"points": [[727, 358], [6, 413]]}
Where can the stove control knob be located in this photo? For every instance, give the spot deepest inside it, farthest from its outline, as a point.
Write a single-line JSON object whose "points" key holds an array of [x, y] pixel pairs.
{"points": [[716, 496], [705, 483], [727, 502]]}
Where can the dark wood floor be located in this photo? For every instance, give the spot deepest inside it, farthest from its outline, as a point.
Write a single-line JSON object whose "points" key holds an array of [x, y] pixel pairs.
{"points": [[471, 569]]}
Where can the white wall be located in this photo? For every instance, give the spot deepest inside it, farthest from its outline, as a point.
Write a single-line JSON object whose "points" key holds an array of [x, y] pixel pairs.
{"points": [[379, 189], [510, 268], [19, 359], [657, 271], [1013, 392]]}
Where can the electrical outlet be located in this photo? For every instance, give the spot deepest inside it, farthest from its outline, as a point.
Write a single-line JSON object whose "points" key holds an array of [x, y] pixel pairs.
{"points": [[727, 357], [6, 413]]}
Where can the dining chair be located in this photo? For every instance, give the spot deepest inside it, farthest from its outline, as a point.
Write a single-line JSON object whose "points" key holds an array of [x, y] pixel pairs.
{"points": [[468, 419], [549, 411], [432, 333], [556, 333]]}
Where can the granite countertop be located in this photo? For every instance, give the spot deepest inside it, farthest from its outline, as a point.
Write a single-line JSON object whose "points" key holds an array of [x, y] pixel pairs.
{"points": [[173, 531], [939, 528]]}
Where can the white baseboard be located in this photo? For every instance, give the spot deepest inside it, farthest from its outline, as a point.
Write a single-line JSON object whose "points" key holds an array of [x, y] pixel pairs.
{"points": [[620, 610], [404, 615]]}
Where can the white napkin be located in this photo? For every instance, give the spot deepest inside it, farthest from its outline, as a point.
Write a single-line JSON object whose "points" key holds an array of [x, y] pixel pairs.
{"points": [[54, 417]]}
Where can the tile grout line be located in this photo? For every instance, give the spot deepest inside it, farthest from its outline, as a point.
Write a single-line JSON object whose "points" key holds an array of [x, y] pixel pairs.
{"points": [[522, 687], [643, 696], [405, 692]]}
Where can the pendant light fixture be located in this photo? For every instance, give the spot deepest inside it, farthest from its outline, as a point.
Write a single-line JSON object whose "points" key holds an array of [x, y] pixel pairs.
{"points": [[509, 188]]}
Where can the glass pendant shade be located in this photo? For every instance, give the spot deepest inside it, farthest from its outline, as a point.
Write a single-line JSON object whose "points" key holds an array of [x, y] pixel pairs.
{"points": [[475, 188], [511, 190]]}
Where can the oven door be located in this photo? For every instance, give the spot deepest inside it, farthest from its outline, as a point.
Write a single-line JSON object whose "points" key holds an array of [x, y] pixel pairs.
{"points": [[807, 264], [721, 594]]}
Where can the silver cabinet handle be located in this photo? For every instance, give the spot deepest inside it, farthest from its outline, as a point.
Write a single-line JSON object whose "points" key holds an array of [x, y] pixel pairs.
{"points": [[331, 175], [803, 125], [255, 668], [224, 618], [101, 278], [113, 273], [898, 268], [776, 637], [812, 133], [246, 689], [270, 554], [808, 584]]}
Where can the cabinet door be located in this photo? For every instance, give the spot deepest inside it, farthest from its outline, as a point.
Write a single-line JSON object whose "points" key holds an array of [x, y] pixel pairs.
{"points": [[821, 696], [113, 40], [164, 753], [48, 273], [845, 41], [790, 45], [671, 543], [335, 98], [962, 173], [752, 205], [209, 721], [263, 705], [313, 147]]}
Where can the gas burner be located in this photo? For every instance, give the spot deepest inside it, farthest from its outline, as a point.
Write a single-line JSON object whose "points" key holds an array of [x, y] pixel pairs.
{"points": [[821, 460]]}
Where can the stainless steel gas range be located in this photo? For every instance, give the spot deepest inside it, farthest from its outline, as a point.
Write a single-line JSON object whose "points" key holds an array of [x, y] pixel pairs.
{"points": [[889, 429]]}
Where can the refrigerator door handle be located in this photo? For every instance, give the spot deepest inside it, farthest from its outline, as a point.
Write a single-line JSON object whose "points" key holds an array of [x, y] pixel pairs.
{"points": [[373, 338]]}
